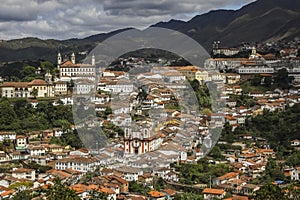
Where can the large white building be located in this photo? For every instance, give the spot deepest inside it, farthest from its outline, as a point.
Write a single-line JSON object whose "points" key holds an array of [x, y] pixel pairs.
{"points": [[70, 70], [78, 163], [22, 173], [256, 70]]}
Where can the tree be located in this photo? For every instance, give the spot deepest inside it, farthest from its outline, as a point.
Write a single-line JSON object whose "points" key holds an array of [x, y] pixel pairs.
{"points": [[273, 171], [227, 133], [28, 71], [216, 153], [139, 188], [269, 192], [256, 80], [189, 196], [47, 66], [159, 184], [59, 191], [34, 92], [282, 79], [95, 195], [268, 81], [21, 186], [23, 195], [8, 117]]}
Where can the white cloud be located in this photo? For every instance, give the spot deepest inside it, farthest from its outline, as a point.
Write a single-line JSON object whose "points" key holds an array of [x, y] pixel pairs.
{"points": [[62, 19]]}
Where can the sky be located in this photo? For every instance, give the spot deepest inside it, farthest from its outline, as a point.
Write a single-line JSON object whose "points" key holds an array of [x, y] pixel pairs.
{"points": [[64, 19]]}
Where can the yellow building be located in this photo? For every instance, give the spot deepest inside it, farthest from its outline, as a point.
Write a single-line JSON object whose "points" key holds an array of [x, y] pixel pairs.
{"points": [[35, 88]]}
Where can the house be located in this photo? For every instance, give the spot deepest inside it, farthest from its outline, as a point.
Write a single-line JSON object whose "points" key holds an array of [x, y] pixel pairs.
{"points": [[237, 197], [23, 173], [256, 94], [146, 178], [36, 150], [295, 143], [172, 76], [80, 152], [7, 194], [25, 89], [226, 178], [60, 88], [170, 193], [231, 120], [224, 63], [84, 86], [232, 78], [295, 173], [81, 190], [172, 176], [21, 142], [249, 189], [237, 90], [267, 152], [231, 102], [57, 132], [156, 195], [111, 194], [255, 70], [211, 193], [120, 86], [7, 136], [120, 120], [33, 135], [19, 155], [78, 163], [62, 175], [3, 156], [161, 172], [130, 173], [202, 76], [122, 183]]}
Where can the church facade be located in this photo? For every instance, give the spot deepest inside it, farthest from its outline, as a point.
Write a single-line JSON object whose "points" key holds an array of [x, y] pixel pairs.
{"points": [[70, 70], [140, 141]]}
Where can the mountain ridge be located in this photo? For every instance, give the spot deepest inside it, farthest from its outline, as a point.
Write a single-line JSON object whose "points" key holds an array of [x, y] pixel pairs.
{"points": [[259, 21]]}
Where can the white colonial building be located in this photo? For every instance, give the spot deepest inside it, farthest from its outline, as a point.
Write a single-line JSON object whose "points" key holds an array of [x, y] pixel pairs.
{"points": [[255, 70], [70, 70], [78, 163], [35, 88], [22, 173], [7, 136]]}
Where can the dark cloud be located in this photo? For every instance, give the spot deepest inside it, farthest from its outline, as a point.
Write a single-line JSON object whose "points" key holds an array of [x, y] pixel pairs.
{"points": [[63, 19]]}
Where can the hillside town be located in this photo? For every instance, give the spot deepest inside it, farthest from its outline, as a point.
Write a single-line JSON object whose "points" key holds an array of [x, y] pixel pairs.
{"points": [[167, 134]]}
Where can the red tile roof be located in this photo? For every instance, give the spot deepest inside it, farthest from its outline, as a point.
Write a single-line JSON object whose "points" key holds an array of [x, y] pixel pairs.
{"points": [[213, 191]]}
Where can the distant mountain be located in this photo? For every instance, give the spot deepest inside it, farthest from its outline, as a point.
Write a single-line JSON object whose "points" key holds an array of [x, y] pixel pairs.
{"points": [[260, 21], [38, 49]]}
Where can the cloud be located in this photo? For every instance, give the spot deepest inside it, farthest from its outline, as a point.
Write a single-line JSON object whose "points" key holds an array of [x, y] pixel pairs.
{"points": [[62, 19]]}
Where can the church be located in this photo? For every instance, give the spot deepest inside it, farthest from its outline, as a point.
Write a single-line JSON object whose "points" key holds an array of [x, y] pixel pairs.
{"points": [[141, 140], [70, 70]]}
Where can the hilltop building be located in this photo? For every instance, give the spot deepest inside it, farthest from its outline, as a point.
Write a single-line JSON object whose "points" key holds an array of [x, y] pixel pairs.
{"points": [[70, 70]]}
